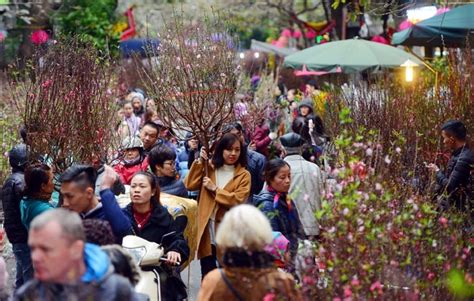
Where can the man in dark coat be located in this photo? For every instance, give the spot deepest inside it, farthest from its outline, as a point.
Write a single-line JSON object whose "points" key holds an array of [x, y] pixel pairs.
{"points": [[455, 181], [16, 232], [77, 189]]}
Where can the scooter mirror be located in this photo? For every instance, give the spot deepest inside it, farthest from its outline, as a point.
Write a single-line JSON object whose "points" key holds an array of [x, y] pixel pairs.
{"points": [[166, 236]]}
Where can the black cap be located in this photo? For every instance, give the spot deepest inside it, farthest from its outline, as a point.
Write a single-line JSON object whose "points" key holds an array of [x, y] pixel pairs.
{"points": [[291, 140]]}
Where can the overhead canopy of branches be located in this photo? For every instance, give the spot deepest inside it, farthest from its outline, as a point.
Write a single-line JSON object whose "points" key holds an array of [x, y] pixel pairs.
{"points": [[65, 104], [195, 79]]}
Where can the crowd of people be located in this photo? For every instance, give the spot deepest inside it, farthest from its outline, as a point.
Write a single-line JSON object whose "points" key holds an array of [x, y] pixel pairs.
{"points": [[254, 206]]}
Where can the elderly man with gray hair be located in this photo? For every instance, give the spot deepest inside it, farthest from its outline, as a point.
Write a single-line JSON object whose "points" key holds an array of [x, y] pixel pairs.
{"points": [[306, 183], [66, 267]]}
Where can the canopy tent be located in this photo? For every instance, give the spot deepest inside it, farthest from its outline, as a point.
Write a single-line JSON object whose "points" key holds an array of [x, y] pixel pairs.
{"points": [[350, 56], [451, 29], [138, 47], [269, 48]]}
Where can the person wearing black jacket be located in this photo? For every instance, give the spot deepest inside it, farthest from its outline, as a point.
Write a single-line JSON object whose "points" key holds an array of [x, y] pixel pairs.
{"points": [[16, 232], [151, 221], [454, 182]]}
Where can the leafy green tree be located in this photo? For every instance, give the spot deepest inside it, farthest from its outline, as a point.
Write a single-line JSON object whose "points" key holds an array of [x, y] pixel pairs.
{"points": [[91, 19]]}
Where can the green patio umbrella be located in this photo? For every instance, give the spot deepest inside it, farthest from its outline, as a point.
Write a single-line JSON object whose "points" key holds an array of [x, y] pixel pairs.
{"points": [[451, 29], [351, 56]]}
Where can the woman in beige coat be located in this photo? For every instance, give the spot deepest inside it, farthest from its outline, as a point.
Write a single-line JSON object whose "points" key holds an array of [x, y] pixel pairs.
{"points": [[227, 185]]}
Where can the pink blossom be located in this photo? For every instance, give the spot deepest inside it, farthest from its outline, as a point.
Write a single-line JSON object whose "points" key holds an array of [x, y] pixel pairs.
{"points": [[355, 282], [369, 152], [347, 292], [329, 195], [398, 150], [39, 37], [47, 83], [309, 280], [337, 299], [431, 276], [378, 186], [443, 221], [376, 286], [269, 297], [387, 160]]}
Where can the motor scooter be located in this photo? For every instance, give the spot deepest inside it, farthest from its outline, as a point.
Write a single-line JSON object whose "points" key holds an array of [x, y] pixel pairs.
{"points": [[149, 256]]}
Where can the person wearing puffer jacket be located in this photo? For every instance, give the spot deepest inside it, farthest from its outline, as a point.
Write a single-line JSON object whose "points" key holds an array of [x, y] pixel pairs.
{"points": [[11, 196], [188, 154]]}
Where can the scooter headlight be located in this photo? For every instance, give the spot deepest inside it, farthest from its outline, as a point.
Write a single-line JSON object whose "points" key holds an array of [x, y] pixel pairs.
{"points": [[137, 253]]}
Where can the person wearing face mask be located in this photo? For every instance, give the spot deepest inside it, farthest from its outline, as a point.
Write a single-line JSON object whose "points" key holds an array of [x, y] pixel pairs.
{"points": [[226, 185], [151, 221], [275, 202], [133, 159], [162, 162], [38, 189]]}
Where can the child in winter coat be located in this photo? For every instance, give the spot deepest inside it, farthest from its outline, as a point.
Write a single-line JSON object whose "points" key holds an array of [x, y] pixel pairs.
{"points": [[130, 125], [133, 159]]}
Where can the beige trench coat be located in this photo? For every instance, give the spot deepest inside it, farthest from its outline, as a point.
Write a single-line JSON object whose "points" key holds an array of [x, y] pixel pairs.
{"points": [[234, 193]]}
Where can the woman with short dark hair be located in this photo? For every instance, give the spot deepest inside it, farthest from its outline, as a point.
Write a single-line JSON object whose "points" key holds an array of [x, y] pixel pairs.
{"points": [[226, 185], [162, 161]]}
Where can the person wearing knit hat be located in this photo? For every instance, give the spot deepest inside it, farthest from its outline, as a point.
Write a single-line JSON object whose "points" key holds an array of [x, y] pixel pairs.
{"points": [[138, 102], [306, 183]]}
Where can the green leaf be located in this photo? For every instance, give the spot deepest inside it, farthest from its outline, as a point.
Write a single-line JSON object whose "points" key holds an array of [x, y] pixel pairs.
{"points": [[457, 284]]}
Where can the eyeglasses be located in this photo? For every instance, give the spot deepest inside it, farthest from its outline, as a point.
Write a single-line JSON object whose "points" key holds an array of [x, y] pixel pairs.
{"points": [[172, 163]]}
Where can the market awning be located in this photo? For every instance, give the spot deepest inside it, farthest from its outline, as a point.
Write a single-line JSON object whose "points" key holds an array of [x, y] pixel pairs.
{"points": [[451, 29], [269, 48], [350, 56]]}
